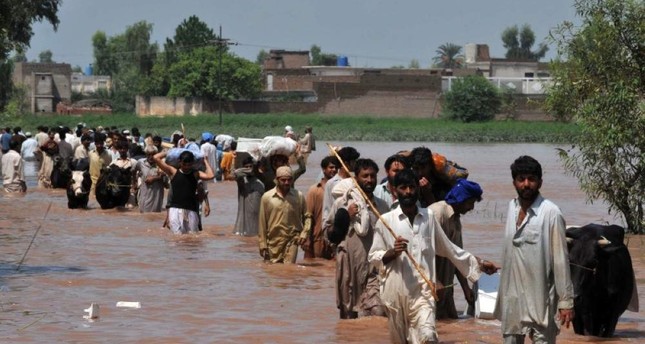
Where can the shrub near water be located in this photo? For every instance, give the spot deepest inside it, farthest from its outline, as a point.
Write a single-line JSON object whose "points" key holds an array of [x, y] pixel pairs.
{"points": [[472, 99]]}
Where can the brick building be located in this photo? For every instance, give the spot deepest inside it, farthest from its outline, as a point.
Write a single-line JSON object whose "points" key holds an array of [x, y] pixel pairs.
{"points": [[47, 83]]}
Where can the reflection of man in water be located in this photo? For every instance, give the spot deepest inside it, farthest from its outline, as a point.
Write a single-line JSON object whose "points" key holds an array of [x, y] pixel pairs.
{"points": [[459, 200], [535, 287], [284, 222]]}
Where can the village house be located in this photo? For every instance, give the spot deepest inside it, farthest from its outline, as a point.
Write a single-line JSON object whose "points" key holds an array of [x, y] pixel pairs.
{"points": [[47, 83]]}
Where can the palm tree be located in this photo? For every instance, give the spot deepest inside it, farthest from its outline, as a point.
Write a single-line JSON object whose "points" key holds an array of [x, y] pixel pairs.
{"points": [[449, 56]]}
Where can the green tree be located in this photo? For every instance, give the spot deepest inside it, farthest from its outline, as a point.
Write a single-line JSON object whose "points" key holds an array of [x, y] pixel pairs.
{"points": [[129, 50], [6, 85], [472, 99], [129, 58], [448, 56], [414, 64], [262, 56], [17, 18], [45, 56], [195, 74], [518, 44], [599, 81], [318, 58], [19, 57], [192, 33], [104, 57]]}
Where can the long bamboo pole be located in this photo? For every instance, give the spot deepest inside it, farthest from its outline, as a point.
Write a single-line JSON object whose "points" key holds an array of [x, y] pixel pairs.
{"points": [[432, 286]]}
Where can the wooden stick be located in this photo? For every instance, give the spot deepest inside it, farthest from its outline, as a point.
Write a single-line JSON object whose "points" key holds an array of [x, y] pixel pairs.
{"points": [[433, 288], [34, 237]]}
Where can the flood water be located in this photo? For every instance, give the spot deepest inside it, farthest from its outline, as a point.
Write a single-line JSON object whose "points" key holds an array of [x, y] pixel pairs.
{"points": [[214, 288]]}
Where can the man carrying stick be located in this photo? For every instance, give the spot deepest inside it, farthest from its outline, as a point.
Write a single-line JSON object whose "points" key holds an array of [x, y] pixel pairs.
{"points": [[350, 224], [404, 291]]}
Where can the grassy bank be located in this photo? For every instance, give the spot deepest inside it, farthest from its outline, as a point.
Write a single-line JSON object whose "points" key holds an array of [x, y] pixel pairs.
{"points": [[337, 128]]}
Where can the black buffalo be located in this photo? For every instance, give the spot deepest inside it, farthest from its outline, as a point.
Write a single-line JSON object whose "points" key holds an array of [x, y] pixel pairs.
{"points": [[61, 173], [602, 276], [78, 190], [113, 187]]}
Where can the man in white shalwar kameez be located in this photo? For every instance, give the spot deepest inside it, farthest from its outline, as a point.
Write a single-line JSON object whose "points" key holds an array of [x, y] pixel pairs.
{"points": [[535, 288], [407, 297]]}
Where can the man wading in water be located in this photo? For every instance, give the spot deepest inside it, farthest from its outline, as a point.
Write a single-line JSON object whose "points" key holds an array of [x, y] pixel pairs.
{"points": [[183, 216]]}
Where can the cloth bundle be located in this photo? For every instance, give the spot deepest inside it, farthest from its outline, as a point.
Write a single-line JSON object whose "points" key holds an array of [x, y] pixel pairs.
{"points": [[447, 170], [224, 141], [172, 158], [272, 145]]}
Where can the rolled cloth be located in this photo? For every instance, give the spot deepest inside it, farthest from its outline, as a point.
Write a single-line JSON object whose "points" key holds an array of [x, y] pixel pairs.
{"points": [[206, 136], [283, 171], [463, 190]]}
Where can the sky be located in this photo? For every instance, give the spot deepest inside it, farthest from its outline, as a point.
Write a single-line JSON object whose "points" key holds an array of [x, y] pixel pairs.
{"points": [[371, 33]]}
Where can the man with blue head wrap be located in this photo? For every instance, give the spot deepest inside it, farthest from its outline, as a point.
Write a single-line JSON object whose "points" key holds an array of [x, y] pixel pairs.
{"points": [[463, 191], [459, 200]]}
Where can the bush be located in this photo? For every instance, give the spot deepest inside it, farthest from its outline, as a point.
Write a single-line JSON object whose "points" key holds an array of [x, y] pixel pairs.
{"points": [[472, 99], [17, 105]]}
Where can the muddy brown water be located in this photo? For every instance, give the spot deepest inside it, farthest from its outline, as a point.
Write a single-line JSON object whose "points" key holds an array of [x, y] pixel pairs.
{"points": [[213, 287]]}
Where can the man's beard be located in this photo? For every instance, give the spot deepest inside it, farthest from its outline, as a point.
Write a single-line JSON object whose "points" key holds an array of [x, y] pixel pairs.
{"points": [[527, 194], [407, 201], [368, 188]]}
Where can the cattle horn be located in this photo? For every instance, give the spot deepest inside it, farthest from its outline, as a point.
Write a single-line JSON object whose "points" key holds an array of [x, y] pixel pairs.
{"points": [[603, 242], [569, 240]]}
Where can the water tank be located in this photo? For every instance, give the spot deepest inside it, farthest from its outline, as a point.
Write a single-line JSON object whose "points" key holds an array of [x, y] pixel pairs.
{"points": [[89, 70], [471, 52], [342, 61]]}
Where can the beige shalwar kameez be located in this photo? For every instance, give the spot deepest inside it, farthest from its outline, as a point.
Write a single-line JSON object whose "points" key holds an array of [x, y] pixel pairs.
{"points": [[282, 221], [451, 224], [356, 278]]}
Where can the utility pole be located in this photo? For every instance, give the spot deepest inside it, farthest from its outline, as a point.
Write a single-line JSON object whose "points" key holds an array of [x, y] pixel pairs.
{"points": [[220, 43]]}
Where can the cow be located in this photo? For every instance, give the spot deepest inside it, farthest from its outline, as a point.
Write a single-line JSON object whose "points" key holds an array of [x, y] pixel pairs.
{"points": [[602, 277], [61, 173], [78, 190], [113, 187]]}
